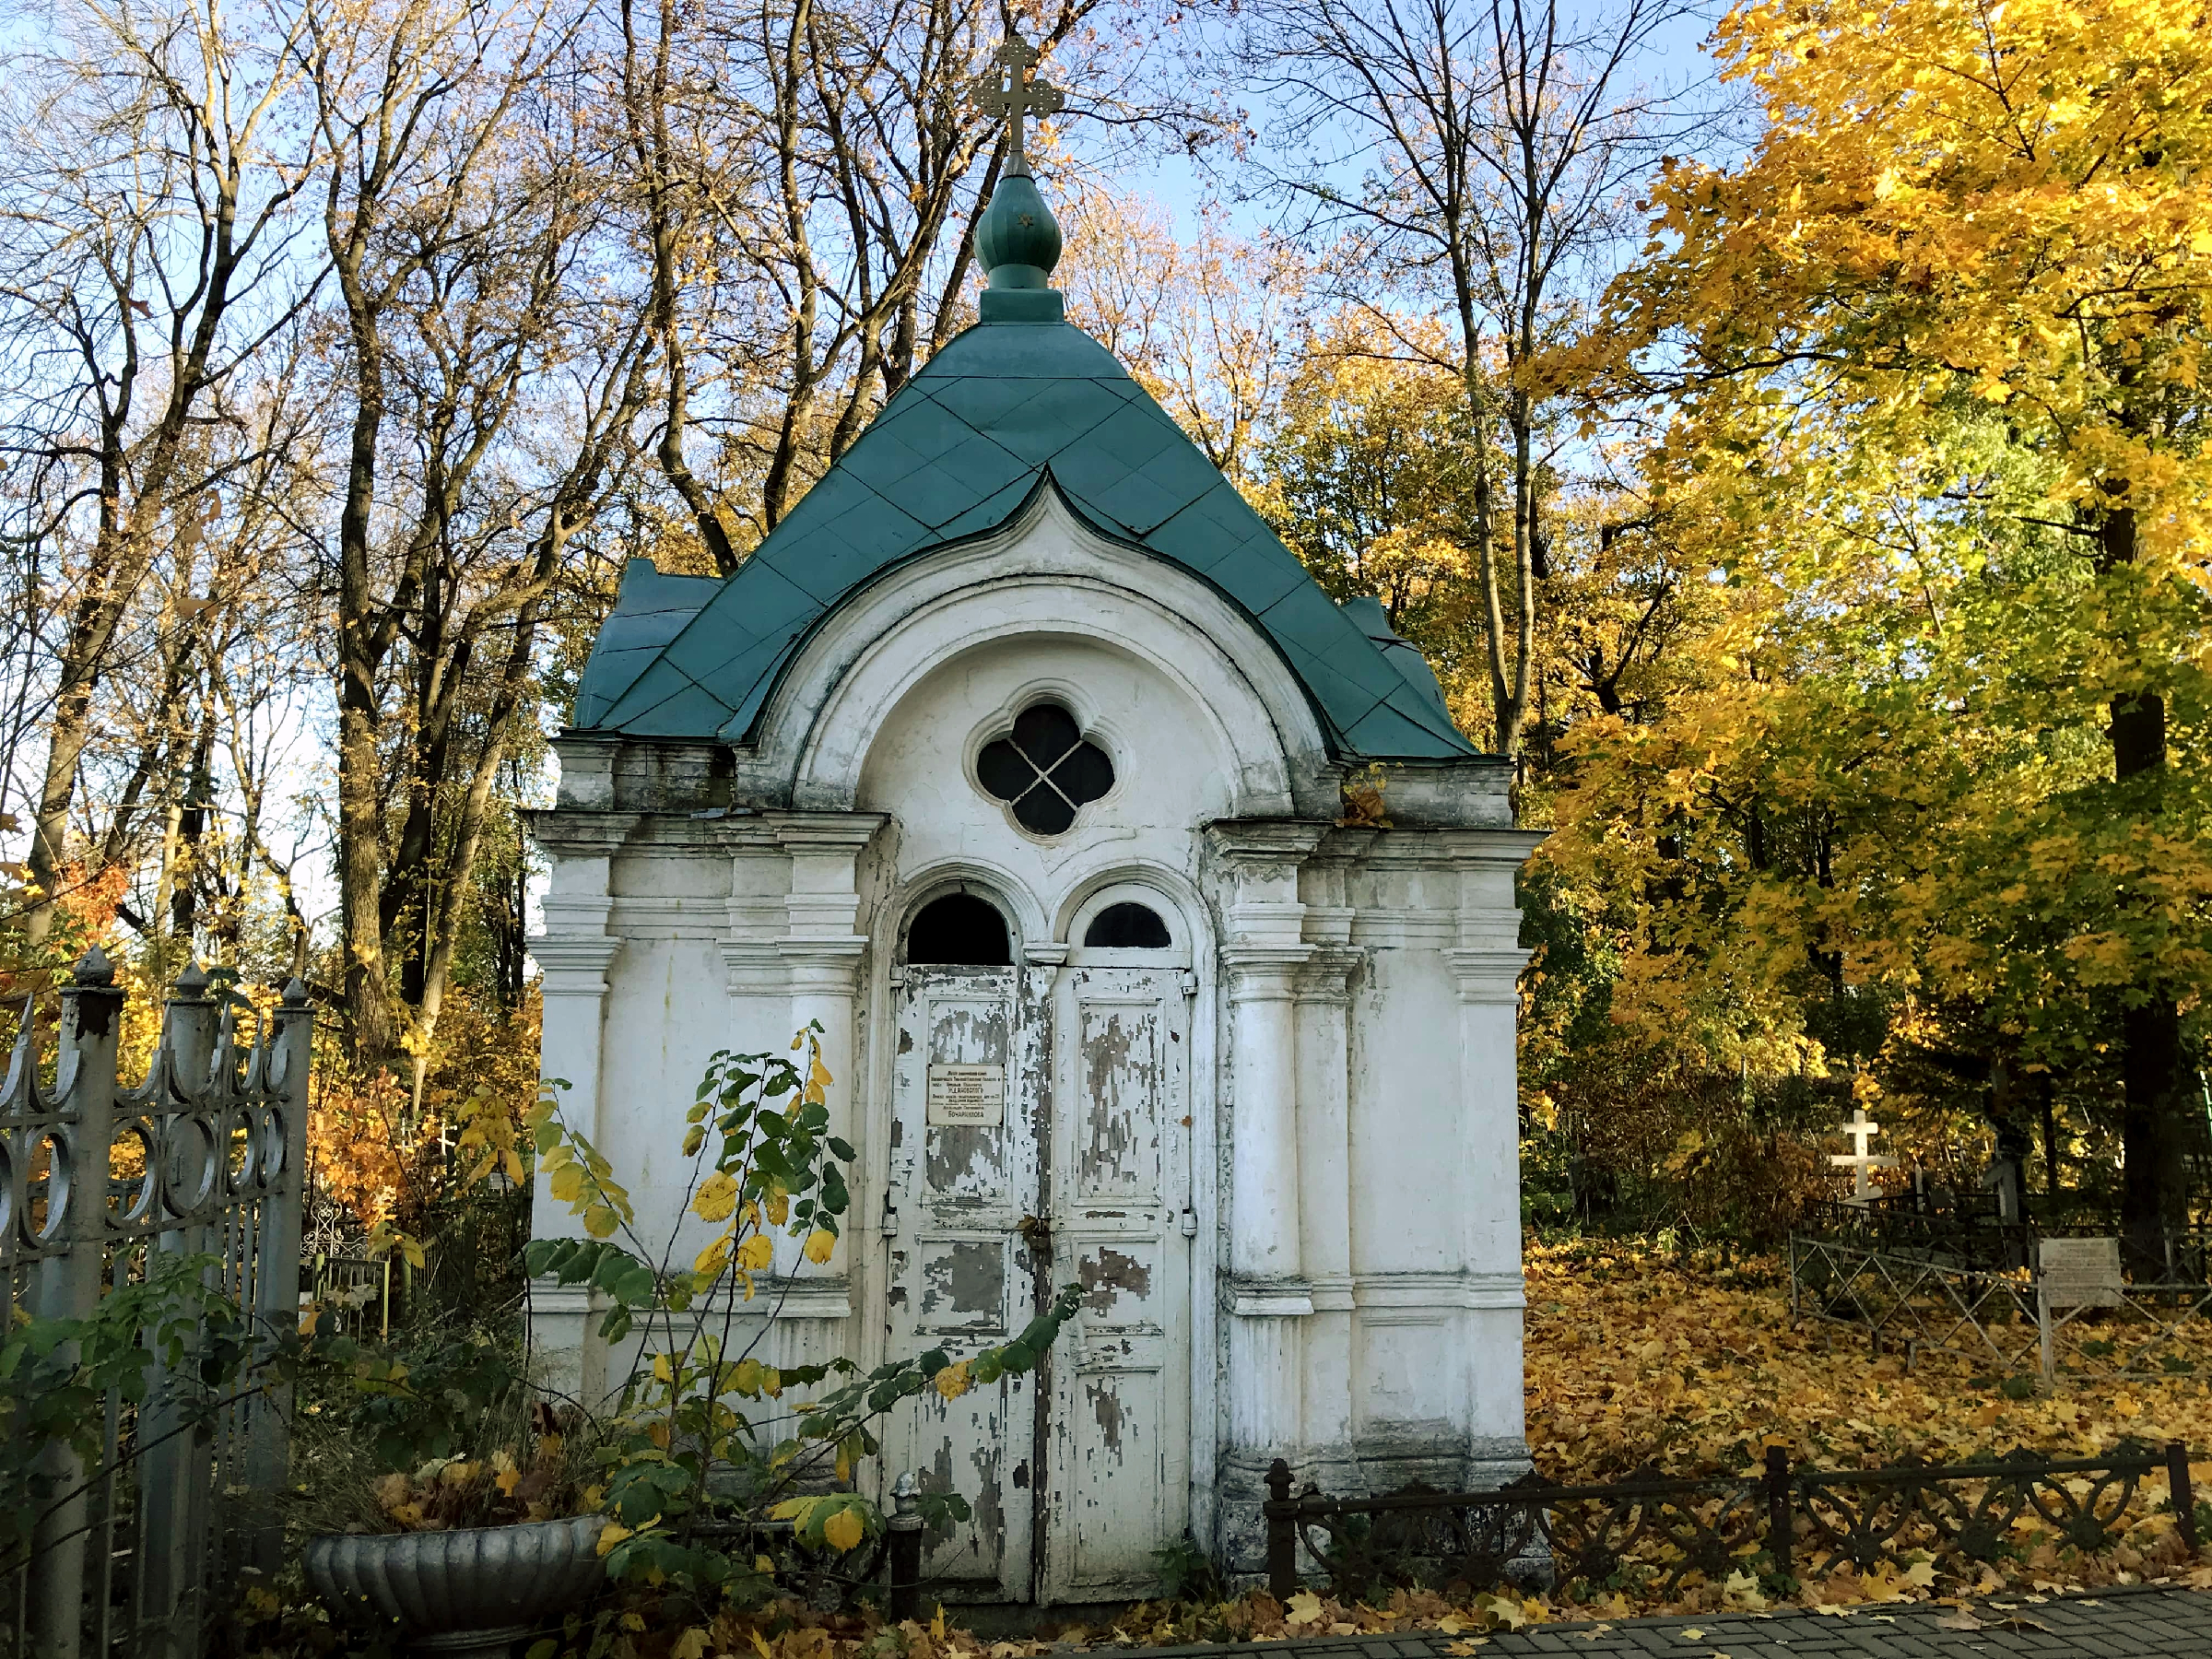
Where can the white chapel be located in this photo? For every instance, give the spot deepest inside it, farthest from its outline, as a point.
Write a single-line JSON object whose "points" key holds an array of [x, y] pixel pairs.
{"points": [[1015, 757]]}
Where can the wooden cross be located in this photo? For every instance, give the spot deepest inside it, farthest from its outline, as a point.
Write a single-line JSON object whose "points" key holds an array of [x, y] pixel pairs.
{"points": [[1020, 95], [1862, 1129]]}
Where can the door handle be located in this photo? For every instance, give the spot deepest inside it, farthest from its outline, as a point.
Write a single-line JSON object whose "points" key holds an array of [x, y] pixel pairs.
{"points": [[1037, 1234]]}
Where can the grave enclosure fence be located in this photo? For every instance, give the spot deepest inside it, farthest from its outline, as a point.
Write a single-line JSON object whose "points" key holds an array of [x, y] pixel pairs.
{"points": [[1651, 1531], [1919, 1285], [200, 1164]]}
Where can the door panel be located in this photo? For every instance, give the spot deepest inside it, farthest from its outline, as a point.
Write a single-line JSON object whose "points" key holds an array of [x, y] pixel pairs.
{"points": [[958, 1278], [1120, 1414]]}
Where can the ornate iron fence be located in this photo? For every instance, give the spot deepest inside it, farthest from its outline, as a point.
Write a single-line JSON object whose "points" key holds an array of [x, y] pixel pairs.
{"points": [[97, 1182], [1657, 1532]]}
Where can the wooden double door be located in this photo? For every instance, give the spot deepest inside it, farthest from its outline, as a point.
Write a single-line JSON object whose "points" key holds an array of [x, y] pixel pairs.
{"points": [[1040, 1136]]}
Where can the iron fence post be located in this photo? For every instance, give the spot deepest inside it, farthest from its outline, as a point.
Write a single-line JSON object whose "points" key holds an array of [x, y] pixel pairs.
{"points": [[905, 1551], [69, 1283], [277, 1273], [177, 1470], [2046, 1335], [1781, 1522], [1282, 1533], [2179, 1490]]}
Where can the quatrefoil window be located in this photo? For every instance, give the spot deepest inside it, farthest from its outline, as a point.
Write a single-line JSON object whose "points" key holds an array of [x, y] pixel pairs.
{"points": [[1044, 770]]}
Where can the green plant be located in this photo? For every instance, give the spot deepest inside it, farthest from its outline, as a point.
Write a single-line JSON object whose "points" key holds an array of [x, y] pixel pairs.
{"points": [[171, 1336], [1188, 1574], [701, 1425]]}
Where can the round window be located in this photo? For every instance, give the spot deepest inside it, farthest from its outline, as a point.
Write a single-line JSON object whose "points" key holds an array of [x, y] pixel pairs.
{"points": [[1044, 769]]}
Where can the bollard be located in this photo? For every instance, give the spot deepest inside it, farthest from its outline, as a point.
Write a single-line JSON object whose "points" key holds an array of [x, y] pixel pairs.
{"points": [[905, 1551], [2185, 1497], [1780, 1522], [1282, 1533]]}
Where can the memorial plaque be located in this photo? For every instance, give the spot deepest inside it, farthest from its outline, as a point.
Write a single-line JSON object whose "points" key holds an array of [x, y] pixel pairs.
{"points": [[2082, 1273], [968, 1094]]}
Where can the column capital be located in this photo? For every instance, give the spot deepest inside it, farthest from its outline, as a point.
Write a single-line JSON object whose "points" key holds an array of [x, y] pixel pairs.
{"points": [[825, 832], [1270, 1298], [1327, 975], [1264, 972], [1492, 974], [577, 832], [575, 964]]}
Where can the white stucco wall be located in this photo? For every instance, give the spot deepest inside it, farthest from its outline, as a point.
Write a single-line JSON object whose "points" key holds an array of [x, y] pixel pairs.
{"points": [[1355, 1294]]}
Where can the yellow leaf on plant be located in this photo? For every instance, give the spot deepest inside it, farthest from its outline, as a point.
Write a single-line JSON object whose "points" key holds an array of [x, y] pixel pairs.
{"points": [[756, 1254], [717, 1196], [612, 1533], [759, 1646], [843, 1530], [691, 1644], [952, 1381], [819, 1243]]}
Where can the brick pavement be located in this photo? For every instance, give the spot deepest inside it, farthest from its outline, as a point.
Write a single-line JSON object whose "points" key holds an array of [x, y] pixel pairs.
{"points": [[2141, 1622]]}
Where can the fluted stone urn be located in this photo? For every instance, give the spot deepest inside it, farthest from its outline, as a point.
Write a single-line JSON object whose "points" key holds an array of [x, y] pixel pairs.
{"points": [[471, 1593]]}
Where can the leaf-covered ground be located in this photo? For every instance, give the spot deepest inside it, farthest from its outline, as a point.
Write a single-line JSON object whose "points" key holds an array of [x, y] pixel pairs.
{"points": [[1633, 1357]]}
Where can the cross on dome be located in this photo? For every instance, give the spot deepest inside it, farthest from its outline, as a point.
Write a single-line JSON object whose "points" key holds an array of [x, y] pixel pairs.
{"points": [[1021, 94]]}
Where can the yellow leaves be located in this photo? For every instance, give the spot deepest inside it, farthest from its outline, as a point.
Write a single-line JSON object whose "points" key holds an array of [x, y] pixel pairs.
{"points": [[1304, 1608], [953, 1381], [717, 1196], [612, 1533], [506, 1473], [710, 1262], [690, 1644], [842, 1530], [756, 1254], [835, 1519], [819, 1244]]}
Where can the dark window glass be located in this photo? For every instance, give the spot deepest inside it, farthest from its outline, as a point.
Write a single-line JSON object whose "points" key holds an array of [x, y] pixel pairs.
{"points": [[959, 931], [1127, 927], [1045, 769], [1044, 732]]}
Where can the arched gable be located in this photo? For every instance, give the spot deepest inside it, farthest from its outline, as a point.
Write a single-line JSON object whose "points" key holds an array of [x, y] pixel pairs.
{"points": [[1047, 573]]}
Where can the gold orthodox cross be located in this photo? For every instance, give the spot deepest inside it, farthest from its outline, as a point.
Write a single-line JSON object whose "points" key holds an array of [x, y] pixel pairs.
{"points": [[1020, 95]]}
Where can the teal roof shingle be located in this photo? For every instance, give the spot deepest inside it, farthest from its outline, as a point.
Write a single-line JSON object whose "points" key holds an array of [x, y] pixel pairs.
{"points": [[1005, 409]]}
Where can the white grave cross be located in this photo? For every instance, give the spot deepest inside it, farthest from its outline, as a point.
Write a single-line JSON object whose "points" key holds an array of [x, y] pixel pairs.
{"points": [[1862, 1129]]}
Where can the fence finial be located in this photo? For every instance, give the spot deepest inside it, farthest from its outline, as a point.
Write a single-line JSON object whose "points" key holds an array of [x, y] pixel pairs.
{"points": [[93, 967], [295, 993], [192, 984]]}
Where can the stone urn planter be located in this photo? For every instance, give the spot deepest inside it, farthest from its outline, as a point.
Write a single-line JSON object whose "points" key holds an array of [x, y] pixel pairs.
{"points": [[469, 1594]]}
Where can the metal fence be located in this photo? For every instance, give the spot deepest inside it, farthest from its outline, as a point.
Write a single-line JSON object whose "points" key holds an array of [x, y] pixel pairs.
{"points": [[1653, 1532], [97, 1182], [1937, 1293]]}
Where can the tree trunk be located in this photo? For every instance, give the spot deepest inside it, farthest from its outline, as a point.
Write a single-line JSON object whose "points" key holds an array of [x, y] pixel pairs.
{"points": [[2154, 1195]]}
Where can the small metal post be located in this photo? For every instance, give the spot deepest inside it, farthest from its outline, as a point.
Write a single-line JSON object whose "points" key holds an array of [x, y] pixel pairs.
{"points": [[905, 1550], [2046, 1337], [1780, 1523], [2184, 1496], [284, 1062], [1282, 1532]]}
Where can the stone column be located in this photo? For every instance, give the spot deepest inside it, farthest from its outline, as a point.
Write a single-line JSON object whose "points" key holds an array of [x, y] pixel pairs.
{"points": [[1262, 956], [1486, 965], [573, 955], [822, 949], [1323, 1010]]}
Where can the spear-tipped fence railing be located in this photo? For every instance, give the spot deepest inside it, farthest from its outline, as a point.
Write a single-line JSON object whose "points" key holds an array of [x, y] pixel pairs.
{"points": [[98, 1183]]}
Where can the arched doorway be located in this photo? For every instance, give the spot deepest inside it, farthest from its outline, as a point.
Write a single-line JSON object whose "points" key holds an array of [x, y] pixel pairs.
{"points": [[1038, 1135]]}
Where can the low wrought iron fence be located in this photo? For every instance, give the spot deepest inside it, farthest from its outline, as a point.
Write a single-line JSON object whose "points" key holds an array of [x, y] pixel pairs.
{"points": [[1653, 1532], [1915, 1303]]}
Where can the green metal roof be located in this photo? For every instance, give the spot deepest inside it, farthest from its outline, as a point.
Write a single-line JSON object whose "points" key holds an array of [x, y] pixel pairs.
{"points": [[1004, 409]]}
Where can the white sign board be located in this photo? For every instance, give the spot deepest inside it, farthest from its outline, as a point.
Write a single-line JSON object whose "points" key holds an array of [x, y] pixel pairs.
{"points": [[968, 1094], [2082, 1273]]}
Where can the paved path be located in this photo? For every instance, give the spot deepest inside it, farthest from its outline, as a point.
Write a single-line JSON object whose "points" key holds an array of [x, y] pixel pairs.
{"points": [[2136, 1623]]}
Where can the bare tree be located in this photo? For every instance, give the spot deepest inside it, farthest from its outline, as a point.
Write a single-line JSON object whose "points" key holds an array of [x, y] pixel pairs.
{"points": [[1480, 156], [148, 254]]}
